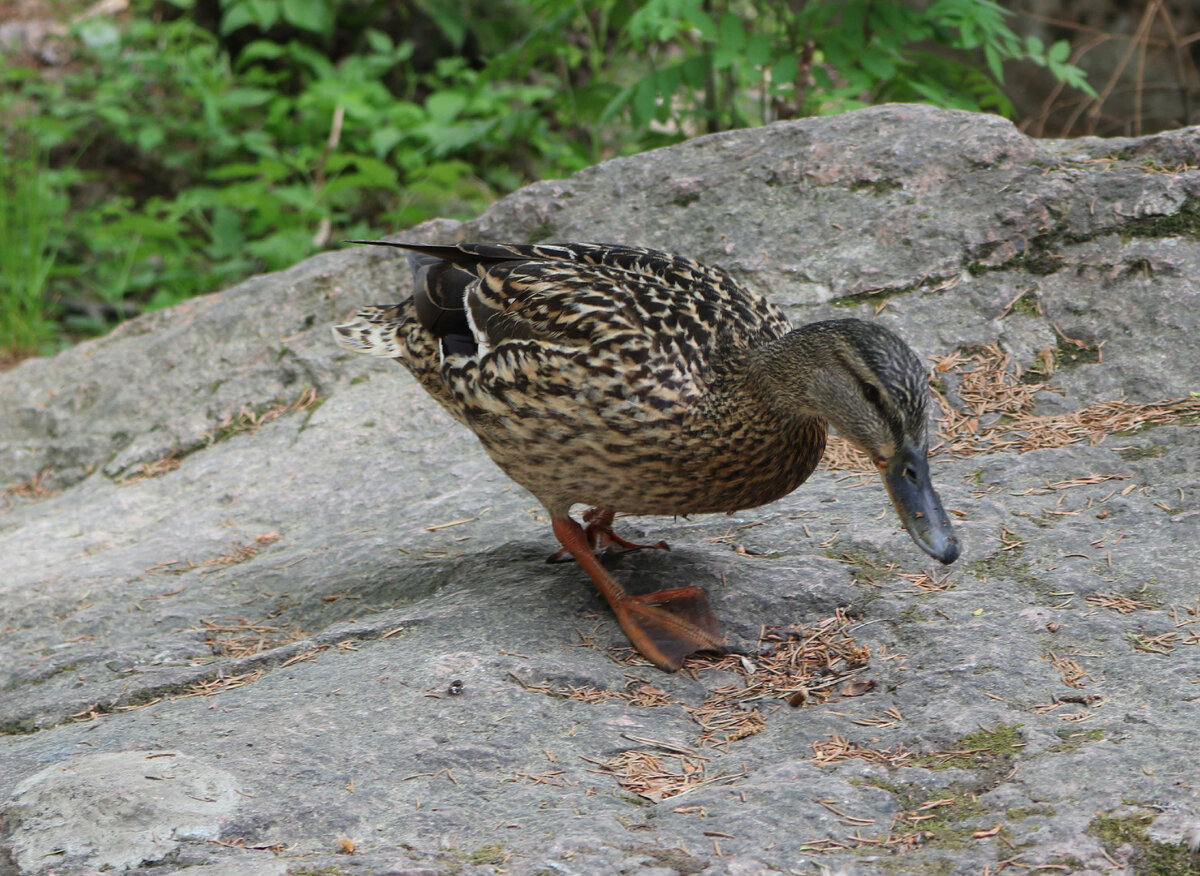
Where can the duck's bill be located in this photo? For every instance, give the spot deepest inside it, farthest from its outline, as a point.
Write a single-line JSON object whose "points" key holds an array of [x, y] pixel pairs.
{"points": [[906, 476]]}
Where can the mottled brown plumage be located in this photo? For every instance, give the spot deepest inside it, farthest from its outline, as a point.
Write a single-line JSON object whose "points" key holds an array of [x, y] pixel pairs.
{"points": [[637, 381]]}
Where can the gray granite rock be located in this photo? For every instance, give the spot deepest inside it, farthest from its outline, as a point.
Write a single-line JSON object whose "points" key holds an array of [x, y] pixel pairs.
{"points": [[117, 809], [281, 597]]}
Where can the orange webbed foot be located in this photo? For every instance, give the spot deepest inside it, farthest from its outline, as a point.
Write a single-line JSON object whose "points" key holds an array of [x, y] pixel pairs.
{"points": [[665, 626]]}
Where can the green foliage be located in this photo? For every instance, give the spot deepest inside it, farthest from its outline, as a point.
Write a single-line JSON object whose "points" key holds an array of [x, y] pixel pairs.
{"points": [[710, 65], [31, 216], [314, 16], [170, 158]]}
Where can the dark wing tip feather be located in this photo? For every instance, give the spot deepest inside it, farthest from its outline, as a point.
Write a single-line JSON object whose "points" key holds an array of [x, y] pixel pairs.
{"points": [[440, 281], [472, 255]]}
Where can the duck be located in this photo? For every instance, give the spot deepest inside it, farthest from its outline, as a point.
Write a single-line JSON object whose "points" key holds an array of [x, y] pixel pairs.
{"points": [[634, 381]]}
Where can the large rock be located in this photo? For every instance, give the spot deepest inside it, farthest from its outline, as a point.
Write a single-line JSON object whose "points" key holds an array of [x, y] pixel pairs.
{"points": [[227, 540]]}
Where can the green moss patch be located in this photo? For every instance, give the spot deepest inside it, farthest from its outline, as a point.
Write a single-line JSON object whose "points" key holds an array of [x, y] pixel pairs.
{"points": [[1151, 857]]}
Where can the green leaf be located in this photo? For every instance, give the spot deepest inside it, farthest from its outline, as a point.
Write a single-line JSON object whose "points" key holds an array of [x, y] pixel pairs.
{"points": [[449, 20], [260, 143], [235, 18], [660, 20], [260, 50], [618, 102], [240, 98], [446, 173], [314, 16], [1076, 78], [1059, 52], [732, 35], [444, 106], [695, 71], [703, 23], [933, 92], [225, 233], [318, 64], [383, 140], [878, 65], [238, 170], [758, 50], [379, 41], [150, 138], [372, 170], [265, 12], [785, 70], [852, 32], [666, 83], [730, 42], [968, 36], [993, 61], [114, 115], [643, 102], [282, 248]]}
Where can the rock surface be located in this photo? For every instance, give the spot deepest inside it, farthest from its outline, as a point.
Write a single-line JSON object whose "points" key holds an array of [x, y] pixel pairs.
{"points": [[225, 540]]}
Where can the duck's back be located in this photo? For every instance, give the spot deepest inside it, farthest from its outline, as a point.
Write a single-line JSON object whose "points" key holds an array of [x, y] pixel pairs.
{"points": [[599, 374]]}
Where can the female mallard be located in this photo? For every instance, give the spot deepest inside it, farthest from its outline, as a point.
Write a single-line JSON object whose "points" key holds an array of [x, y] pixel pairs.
{"points": [[637, 381]]}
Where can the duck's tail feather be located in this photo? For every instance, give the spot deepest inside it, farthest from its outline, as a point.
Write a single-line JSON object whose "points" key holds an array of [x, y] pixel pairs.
{"points": [[374, 331]]}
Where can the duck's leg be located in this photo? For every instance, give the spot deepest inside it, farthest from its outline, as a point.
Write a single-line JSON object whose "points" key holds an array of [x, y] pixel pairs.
{"points": [[665, 626], [600, 533], [600, 536]]}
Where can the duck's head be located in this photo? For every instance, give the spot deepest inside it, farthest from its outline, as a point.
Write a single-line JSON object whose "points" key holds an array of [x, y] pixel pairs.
{"points": [[874, 390]]}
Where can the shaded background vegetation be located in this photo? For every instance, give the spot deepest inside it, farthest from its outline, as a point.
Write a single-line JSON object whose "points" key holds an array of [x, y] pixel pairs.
{"points": [[151, 151]]}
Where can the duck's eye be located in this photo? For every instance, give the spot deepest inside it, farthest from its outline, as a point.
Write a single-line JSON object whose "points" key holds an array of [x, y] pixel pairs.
{"points": [[871, 392]]}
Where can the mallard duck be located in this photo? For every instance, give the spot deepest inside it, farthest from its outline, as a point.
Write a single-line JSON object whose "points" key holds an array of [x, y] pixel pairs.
{"points": [[636, 381]]}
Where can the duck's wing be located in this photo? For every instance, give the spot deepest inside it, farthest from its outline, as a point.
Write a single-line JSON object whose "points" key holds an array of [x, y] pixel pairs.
{"points": [[585, 294], [597, 336]]}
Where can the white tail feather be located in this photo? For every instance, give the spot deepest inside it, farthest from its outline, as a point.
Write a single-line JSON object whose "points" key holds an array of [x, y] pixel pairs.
{"points": [[372, 332]]}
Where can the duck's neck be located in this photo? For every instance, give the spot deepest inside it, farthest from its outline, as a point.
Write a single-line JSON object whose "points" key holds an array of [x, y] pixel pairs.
{"points": [[787, 372]]}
